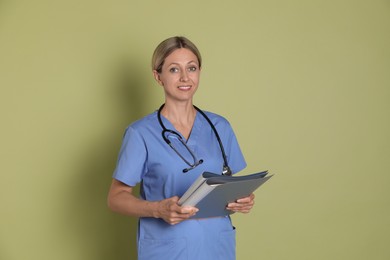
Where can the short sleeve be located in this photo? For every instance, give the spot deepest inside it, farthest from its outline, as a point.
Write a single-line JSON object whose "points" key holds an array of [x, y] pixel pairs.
{"points": [[130, 165]]}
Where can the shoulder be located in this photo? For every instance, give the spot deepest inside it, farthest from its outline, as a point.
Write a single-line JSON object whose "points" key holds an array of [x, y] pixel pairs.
{"points": [[144, 122], [216, 118], [143, 125]]}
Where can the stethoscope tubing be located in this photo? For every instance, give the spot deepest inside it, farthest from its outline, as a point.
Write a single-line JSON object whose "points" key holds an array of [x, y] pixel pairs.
{"points": [[226, 169]]}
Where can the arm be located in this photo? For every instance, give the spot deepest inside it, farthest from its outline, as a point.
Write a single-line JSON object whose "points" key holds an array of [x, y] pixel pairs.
{"points": [[121, 200]]}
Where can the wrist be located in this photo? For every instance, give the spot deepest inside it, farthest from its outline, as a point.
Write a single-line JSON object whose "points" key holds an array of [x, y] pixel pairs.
{"points": [[155, 209]]}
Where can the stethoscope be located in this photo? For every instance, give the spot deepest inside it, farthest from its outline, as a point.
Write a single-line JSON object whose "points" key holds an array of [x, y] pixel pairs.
{"points": [[225, 169]]}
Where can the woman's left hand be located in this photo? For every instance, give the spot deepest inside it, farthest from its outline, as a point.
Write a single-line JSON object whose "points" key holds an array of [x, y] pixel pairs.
{"points": [[243, 205]]}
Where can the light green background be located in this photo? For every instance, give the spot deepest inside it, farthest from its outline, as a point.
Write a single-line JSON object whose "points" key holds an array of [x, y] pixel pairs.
{"points": [[305, 85]]}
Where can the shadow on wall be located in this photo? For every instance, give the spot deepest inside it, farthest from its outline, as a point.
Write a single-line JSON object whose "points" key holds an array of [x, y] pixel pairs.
{"points": [[104, 234]]}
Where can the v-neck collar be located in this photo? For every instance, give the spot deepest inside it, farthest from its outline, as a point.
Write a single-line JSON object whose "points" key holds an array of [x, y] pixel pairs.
{"points": [[195, 130]]}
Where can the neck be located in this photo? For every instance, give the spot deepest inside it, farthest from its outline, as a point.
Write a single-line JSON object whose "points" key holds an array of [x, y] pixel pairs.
{"points": [[181, 114], [181, 117]]}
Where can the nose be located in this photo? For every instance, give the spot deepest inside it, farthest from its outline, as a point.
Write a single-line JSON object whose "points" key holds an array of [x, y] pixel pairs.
{"points": [[183, 76]]}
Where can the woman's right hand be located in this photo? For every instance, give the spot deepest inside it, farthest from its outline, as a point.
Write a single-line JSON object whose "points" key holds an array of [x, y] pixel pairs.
{"points": [[172, 213]]}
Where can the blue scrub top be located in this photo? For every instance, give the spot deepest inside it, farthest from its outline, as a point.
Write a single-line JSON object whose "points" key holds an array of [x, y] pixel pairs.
{"points": [[145, 157]]}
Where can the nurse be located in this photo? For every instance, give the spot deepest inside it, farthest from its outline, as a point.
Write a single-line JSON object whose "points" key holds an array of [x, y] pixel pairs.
{"points": [[166, 171]]}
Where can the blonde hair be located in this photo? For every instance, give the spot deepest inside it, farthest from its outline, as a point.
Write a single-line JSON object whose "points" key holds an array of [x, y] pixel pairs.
{"points": [[169, 45]]}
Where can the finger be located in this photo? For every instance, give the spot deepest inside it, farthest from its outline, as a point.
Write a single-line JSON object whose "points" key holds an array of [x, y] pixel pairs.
{"points": [[177, 218], [249, 198], [188, 210], [174, 221], [244, 200], [175, 198], [184, 213], [241, 210], [234, 204], [239, 207]]}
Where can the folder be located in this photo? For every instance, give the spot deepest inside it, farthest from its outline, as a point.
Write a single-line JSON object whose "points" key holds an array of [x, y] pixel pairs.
{"points": [[211, 192]]}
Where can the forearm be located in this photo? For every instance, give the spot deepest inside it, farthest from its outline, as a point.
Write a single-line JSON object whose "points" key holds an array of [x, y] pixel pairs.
{"points": [[121, 200], [127, 204]]}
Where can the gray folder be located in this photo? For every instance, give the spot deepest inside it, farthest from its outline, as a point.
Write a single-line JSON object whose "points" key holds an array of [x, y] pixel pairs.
{"points": [[226, 189]]}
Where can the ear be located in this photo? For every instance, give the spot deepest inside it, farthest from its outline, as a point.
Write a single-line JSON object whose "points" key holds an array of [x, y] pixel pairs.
{"points": [[156, 76]]}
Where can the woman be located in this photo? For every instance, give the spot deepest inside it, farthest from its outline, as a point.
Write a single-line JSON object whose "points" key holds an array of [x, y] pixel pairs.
{"points": [[165, 172]]}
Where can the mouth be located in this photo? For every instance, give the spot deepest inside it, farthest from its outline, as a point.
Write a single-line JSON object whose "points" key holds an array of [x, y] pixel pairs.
{"points": [[187, 87]]}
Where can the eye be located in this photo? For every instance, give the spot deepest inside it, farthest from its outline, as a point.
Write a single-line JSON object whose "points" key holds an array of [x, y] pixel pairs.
{"points": [[192, 68], [173, 70]]}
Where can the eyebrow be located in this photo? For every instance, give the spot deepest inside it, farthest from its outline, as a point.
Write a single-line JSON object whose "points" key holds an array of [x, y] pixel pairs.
{"points": [[175, 63]]}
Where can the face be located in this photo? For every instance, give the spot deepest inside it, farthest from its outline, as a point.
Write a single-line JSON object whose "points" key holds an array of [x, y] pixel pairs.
{"points": [[179, 75]]}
